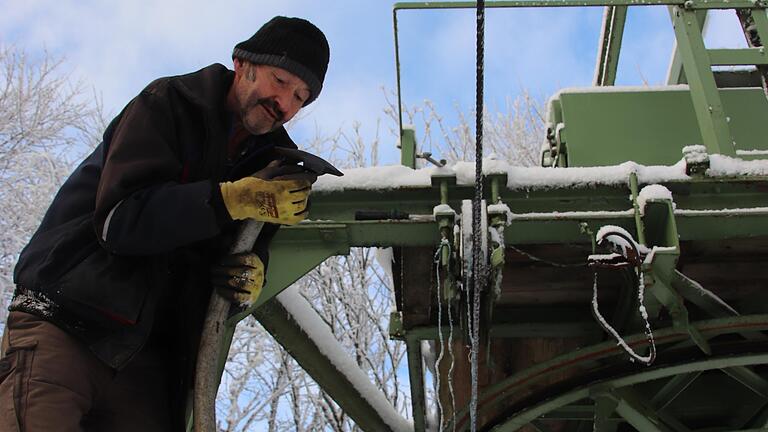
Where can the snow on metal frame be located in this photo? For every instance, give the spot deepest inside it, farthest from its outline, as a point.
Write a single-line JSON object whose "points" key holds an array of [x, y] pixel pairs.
{"points": [[317, 330], [522, 178]]}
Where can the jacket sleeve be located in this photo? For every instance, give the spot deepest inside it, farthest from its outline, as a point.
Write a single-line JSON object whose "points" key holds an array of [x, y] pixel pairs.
{"points": [[141, 208]]}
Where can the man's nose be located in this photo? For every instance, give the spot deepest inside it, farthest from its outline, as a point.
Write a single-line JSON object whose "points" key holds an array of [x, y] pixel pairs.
{"points": [[285, 100]]}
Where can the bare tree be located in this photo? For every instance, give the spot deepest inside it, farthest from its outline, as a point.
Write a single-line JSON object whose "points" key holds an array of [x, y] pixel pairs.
{"points": [[46, 123], [513, 133]]}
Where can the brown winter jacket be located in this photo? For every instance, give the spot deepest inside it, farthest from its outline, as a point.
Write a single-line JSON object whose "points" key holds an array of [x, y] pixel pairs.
{"points": [[123, 251]]}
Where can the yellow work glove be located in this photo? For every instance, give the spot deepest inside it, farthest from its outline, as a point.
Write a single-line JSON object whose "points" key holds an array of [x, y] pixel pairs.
{"points": [[239, 278], [278, 201]]}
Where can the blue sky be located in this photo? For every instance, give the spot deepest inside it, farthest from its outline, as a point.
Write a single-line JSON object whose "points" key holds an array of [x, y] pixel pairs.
{"points": [[117, 47]]}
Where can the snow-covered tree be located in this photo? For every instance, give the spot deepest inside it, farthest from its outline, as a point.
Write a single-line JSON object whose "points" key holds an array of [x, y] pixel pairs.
{"points": [[512, 133], [47, 122]]}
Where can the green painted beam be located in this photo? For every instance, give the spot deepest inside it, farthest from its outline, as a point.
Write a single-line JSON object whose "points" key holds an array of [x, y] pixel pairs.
{"points": [[510, 330], [573, 412], [534, 203], [496, 393], [707, 4], [286, 266], [280, 324], [408, 147], [760, 421], [675, 72], [639, 416], [610, 45], [672, 389], [522, 418], [604, 413], [416, 376], [540, 426], [633, 402], [539, 215], [551, 229], [738, 57], [707, 104], [749, 379]]}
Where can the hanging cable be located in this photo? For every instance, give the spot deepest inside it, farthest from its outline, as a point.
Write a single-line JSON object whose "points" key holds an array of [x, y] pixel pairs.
{"points": [[647, 360], [450, 369], [438, 260], [478, 264]]}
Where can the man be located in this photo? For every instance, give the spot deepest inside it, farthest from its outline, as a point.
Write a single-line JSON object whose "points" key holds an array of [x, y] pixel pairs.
{"points": [[112, 289]]}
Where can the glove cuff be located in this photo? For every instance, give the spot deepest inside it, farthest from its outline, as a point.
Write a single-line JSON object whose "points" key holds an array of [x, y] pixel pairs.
{"points": [[219, 208], [232, 205]]}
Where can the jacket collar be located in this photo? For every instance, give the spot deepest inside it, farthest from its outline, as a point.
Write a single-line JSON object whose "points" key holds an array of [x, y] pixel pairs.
{"points": [[208, 89]]}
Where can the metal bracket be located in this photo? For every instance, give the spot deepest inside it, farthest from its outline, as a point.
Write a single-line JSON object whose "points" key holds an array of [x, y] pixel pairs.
{"points": [[659, 265]]}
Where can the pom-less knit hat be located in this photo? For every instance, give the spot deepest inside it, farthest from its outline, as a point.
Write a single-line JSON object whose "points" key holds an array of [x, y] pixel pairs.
{"points": [[293, 44]]}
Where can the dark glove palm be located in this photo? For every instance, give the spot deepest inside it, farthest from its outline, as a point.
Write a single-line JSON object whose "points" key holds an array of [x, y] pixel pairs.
{"points": [[239, 278]]}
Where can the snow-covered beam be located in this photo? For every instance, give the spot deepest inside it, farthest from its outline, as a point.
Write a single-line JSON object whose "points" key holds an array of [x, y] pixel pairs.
{"points": [[301, 331]]}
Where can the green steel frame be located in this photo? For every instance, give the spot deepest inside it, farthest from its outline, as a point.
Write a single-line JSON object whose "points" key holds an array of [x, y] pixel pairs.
{"points": [[542, 216], [707, 209]]}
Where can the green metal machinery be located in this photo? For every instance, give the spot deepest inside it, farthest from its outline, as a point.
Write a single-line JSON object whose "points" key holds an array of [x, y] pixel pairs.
{"points": [[674, 178]]}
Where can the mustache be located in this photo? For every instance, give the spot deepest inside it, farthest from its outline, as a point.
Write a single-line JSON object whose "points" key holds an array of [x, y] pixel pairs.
{"points": [[272, 105]]}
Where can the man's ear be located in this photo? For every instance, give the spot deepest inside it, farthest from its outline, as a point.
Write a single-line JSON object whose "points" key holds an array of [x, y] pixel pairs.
{"points": [[238, 64]]}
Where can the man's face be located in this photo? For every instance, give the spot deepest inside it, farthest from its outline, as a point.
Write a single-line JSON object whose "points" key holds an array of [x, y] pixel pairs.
{"points": [[267, 96]]}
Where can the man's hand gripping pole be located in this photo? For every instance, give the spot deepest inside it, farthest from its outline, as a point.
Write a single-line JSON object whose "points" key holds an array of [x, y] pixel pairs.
{"points": [[207, 371]]}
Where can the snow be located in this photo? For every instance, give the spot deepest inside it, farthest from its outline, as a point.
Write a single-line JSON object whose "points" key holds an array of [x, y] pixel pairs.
{"points": [[466, 233], [604, 257], [606, 233], [621, 89], [604, 214], [319, 332], [723, 212], [466, 238], [501, 208], [649, 258], [443, 210], [724, 166], [385, 257], [527, 178], [653, 192], [695, 153], [384, 177], [751, 152]]}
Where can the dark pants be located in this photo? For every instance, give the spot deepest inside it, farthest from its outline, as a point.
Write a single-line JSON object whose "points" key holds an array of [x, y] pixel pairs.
{"points": [[50, 382]]}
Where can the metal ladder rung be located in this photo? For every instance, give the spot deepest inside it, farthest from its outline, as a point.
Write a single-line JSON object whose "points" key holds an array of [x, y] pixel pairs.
{"points": [[738, 57]]}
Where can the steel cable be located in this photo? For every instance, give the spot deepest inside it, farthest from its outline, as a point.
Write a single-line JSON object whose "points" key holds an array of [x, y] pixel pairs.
{"points": [[478, 264]]}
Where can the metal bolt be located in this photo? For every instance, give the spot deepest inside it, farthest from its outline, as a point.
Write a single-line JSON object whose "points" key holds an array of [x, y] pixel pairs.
{"points": [[688, 5]]}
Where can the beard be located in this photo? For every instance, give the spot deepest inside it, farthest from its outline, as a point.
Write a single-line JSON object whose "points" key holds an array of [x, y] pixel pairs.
{"points": [[266, 122]]}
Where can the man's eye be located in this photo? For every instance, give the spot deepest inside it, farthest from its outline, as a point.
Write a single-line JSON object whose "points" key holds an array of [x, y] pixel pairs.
{"points": [[278, 79]]}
